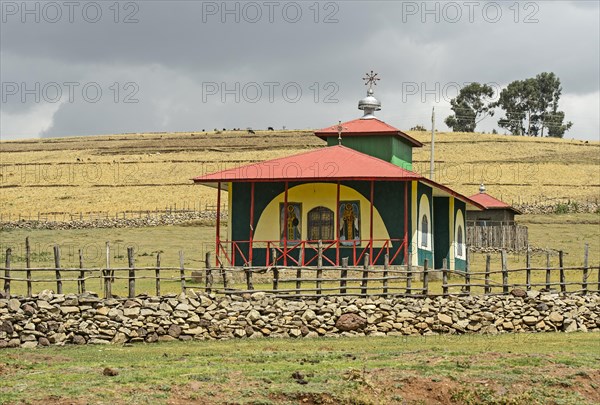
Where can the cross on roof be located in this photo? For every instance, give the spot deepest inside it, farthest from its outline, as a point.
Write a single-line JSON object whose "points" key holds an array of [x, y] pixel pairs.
{"points": [[340, 128], [371, 79]]}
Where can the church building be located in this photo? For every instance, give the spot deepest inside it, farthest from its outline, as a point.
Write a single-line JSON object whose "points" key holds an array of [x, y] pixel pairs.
{"points": [[356, 196]]}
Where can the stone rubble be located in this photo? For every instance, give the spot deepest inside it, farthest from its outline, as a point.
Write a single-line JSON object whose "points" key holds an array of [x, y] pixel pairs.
{"points": [[54, 319]]}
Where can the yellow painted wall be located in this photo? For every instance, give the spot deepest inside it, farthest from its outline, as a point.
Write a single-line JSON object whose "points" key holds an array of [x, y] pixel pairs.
{"points": [[314, 195]]}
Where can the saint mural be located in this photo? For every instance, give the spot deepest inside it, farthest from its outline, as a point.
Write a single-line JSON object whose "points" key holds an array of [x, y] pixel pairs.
{"points": [[290, 223], [349, 212]]}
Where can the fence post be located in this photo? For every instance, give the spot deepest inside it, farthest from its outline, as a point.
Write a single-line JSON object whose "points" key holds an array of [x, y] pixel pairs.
{"points": [[386, 266], [444, 278], [425, 277], [224, 277], [106, 280], [319, 267], [182, 270], [547, 271], [298, 280], [561, 272], [409, 274], [209, 276], [365, 276], [584, 284], [81, 273], [275, 278], [28, 265], [248, 273], [274, 256], [528, 269], [504, 272], [7, 272], [131, 272], [157, 274], [488, 260], [467, 273], [343, 275], [59, 287]]}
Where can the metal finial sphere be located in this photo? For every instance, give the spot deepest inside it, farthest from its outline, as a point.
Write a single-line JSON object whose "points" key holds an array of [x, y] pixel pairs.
{"points": [[370, 104]]}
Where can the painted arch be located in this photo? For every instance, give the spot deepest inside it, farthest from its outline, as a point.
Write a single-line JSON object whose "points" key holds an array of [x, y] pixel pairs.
{"points": [[314, 195], [460, 244], [424, 224]]}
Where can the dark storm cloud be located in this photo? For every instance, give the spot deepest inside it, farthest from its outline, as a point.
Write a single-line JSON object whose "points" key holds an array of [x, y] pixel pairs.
{"points": [[176, 52]]}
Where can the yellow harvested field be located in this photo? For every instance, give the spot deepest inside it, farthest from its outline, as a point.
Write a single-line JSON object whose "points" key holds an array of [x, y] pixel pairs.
{"points": [[115, 173]]}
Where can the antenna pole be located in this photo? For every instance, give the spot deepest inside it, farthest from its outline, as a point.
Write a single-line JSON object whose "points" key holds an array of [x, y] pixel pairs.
{"points": [[431, 163]]}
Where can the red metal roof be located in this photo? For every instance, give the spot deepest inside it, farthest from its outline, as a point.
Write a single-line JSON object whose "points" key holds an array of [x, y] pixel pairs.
{"points": [[329, 163], [491, 203], [324, 164], [366, 127]]}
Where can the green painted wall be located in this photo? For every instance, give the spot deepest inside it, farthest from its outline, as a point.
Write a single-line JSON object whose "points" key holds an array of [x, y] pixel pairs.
{"points": [[388, 196], [423, 253], [389, 201], [388, 148], [441, 236], [401, 154]]}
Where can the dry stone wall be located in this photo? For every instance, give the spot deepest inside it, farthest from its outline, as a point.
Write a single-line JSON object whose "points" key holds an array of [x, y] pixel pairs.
{"points": [[177, 218], [50, 319]]}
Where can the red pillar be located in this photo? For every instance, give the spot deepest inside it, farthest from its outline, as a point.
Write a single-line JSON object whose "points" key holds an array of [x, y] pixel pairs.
{"points": [[371, 227], [406, 223], [251, 222], [285, 216], [218, 231], [337, 225]]}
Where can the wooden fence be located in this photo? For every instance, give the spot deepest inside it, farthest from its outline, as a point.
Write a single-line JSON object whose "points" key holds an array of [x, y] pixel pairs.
{"points": [[500, 235], [294, 282]]}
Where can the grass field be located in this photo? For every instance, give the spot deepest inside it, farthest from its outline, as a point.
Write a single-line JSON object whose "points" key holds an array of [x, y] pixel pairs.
{"points": [[116, 173], [467, 369], [147, 171], [567, 232]]}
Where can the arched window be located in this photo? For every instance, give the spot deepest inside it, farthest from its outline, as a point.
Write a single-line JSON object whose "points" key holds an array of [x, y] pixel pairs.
{"points": [[459, 241], [425, 224], [424, 231], [460, 249], [320, 224]]}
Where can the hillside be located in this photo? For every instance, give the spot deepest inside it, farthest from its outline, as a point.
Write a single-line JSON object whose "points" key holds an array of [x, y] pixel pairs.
{"points": [[116, 173]]}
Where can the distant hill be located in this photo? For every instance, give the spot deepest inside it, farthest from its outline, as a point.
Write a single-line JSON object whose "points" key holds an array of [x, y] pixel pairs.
{"points": [[147, 171]]}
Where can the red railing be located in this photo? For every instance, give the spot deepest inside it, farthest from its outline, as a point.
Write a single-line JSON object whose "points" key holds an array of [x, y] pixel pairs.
{"points": [[239, 253]]}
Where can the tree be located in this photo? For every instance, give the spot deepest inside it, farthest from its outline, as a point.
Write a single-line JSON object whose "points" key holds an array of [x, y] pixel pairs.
{"points": [[468, 106], [554, 123], [531, 105], [549, 89], [518, 100]]}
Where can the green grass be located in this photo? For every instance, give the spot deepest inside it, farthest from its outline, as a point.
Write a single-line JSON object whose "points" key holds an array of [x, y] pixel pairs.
{"points": [[549, 367], [568, 232]]}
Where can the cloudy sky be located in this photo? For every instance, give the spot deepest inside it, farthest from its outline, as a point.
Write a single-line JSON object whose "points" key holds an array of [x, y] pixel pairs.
{"points": [[83, 68]]}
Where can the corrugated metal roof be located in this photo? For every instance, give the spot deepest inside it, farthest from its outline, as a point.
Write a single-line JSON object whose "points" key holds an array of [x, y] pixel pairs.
{"points": [[490, 202], [329, 163], [366, 127], [333, 163]]}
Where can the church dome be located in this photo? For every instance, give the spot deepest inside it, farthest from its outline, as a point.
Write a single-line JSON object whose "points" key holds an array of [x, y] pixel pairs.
{"points": [[370, 104]]}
